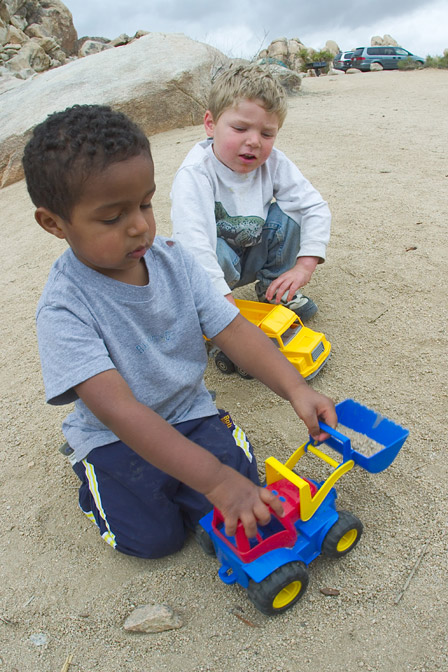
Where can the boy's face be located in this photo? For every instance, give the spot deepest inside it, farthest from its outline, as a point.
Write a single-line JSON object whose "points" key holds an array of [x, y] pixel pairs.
{"points": [[243, 136], [112, 225]]}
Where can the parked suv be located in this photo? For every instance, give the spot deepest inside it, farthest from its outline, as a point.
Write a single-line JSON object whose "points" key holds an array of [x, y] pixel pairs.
{"points": [[387, 57], [343, 60]]}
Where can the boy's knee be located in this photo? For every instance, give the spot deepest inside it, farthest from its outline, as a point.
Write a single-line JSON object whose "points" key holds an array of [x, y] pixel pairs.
{"points": [[151, 548], [279, 218], [229, 262]]}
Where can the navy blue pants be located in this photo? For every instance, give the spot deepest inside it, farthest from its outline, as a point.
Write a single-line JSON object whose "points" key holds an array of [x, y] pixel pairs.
{"points": [[142, 511]]}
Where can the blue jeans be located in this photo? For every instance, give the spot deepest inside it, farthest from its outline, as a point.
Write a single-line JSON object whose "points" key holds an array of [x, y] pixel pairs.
{"points": [[275, 254]]}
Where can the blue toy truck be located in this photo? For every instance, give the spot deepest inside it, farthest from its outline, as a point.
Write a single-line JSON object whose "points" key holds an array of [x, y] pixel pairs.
{"points": [[273, 565]]}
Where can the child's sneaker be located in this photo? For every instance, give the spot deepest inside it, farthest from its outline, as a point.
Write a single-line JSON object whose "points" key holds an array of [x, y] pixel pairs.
{"points": [[300, 304]]}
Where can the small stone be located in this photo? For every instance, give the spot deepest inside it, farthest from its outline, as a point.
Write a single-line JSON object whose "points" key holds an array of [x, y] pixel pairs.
{"points": [[330, 591], [39, 639], [152, 618]]}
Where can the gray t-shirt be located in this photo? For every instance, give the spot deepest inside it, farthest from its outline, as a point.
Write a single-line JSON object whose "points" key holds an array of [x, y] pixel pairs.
{"points": [[153, 335]]}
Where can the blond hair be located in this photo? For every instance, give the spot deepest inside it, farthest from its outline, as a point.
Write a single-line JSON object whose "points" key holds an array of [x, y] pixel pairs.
{"points": [[247, 82]]}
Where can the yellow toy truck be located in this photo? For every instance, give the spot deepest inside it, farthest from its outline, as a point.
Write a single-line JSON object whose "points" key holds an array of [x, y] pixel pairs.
{"points": [[306, 349]]}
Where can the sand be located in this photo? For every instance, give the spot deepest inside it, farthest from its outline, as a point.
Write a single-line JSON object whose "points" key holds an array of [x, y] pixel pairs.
{"points": [[374, 144]]}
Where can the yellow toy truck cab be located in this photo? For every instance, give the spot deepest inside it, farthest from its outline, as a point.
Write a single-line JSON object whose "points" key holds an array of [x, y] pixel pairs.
{"points": [[306, 349]]}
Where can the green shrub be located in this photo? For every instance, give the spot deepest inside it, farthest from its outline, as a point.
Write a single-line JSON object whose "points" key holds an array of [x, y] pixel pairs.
{"points": [[408, 64], [309, 55], [437, 61]]}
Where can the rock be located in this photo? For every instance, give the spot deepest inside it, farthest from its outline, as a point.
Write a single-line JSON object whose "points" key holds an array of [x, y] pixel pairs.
{"points": [[152, 618], [387, 40], [46, 22], [290, 80], [390, 40], [120, 40], [288, 53], [19, 22], [376, 67], [31, 55], [279, 49], [52, 48], [330, 592], [352, 71], [17, 36], [57, 21], [90, 47], [332, 47], [4, 31], [35, 30], [295, 46], [39, 638], [161, 81], [140, 33]]}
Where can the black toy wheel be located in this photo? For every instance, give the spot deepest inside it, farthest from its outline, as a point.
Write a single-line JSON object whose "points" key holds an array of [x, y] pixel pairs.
{"points": [[224, 364], [243, 374], [280, 590], [343, 536], [204, 540]]}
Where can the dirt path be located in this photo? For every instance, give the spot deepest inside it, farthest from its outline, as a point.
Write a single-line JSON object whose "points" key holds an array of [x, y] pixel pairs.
{"points": [[375, 145]]}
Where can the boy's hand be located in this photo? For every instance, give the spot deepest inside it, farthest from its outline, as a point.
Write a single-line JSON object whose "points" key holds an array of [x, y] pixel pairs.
{"points": [[239, 499], [311, 406], [290, 281]]}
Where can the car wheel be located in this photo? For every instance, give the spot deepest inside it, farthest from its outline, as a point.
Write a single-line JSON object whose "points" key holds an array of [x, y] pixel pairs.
{"points": [[343, 536], [280, 590], [243, 373], [224, 364]]}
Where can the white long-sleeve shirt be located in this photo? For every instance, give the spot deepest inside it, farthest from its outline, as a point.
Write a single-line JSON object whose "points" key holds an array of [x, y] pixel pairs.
{"points": [[211, 200]]}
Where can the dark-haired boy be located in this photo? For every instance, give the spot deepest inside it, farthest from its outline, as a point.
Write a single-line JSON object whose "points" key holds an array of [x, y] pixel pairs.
{"points": [[120, 325]]}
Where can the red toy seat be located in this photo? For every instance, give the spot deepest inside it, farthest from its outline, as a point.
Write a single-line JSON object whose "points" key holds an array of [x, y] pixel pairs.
{"points": [[280, 532]]}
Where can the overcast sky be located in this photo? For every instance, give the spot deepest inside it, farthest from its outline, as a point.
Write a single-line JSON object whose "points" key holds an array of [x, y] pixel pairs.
{"points": [[240, 28]]}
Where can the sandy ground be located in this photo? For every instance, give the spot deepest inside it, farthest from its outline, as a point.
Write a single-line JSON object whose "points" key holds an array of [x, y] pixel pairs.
{"points": [[375, 146]]}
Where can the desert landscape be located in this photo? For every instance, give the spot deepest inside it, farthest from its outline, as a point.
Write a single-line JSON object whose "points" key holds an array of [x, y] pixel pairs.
{"points": [[374, 144]]}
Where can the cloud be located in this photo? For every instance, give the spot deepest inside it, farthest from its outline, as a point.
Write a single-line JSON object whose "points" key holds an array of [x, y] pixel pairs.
{"points": [[239, 27]]}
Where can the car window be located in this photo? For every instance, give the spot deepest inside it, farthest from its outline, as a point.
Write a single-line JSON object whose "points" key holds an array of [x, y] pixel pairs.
{"points": [[348, 54], [389, 51], [358, 51], [401, 52], [293, 330], [375, 51]]}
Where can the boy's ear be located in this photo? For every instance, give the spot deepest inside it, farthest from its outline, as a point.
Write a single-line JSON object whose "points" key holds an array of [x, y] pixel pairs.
{"points": [[209, 124], [50, 222]]}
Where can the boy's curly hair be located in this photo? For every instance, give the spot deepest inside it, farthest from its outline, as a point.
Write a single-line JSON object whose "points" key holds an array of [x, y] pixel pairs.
{"points": [[69, 146], [247, 82]]}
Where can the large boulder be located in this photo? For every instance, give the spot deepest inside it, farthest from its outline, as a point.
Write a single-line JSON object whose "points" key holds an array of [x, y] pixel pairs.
{"points": [[35, 35], [332, 47], [289, 53], [52, 16], [385, 41], [160, 81]]}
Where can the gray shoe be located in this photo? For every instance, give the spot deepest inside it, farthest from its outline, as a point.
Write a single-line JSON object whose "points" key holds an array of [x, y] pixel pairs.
{"points": [[300, 304]]}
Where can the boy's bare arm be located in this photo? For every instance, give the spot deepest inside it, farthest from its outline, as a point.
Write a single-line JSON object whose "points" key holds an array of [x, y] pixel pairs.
{"points": [[111, 400], [248, 347]]}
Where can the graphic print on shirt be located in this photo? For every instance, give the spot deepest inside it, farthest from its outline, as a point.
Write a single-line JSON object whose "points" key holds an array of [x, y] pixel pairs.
{"points": [[239, 231]]}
